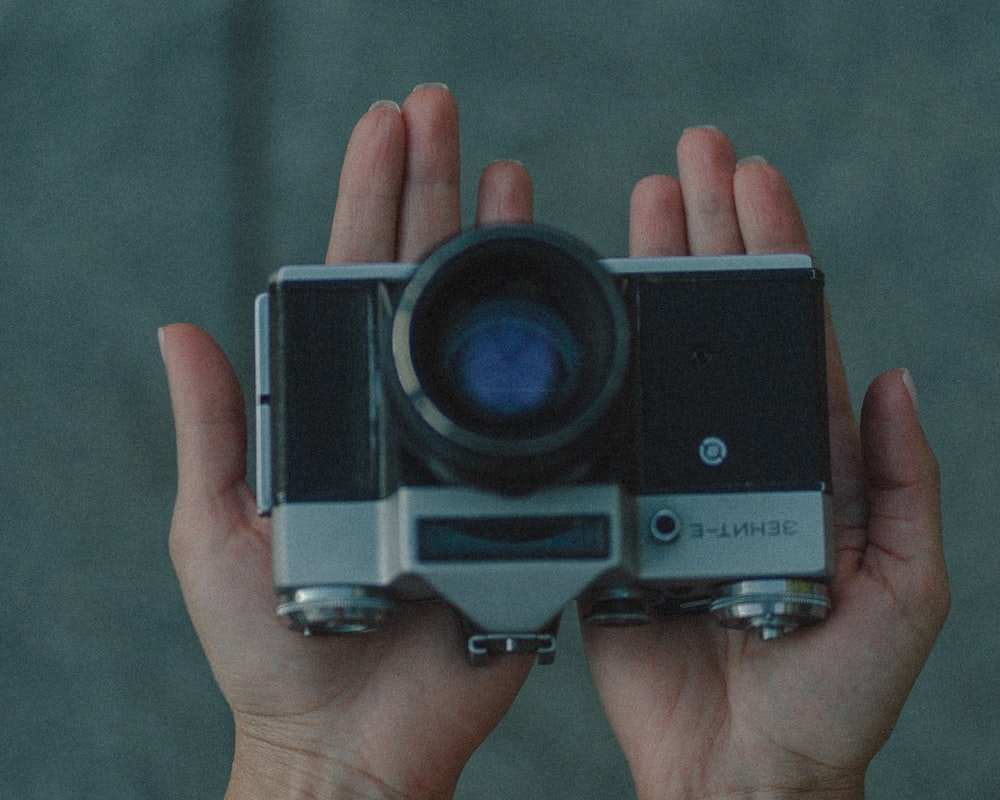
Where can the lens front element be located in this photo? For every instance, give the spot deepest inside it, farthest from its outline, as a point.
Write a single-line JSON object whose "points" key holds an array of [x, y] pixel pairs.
{"points": [[511, 358]]}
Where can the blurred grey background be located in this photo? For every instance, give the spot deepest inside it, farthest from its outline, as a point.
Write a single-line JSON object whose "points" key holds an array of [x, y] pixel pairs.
{"points": [[158, 160]]}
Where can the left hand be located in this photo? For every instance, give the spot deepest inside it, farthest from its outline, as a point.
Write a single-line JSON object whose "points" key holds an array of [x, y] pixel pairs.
{"points": [[393, 714]]}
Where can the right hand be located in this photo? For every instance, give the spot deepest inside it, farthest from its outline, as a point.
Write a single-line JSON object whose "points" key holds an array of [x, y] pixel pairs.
{"points": [[704, 712]]}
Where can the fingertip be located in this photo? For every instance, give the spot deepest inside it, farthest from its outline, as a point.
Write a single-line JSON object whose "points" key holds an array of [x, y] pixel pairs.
{"points": [[506, 166], [431, 86], [382, 121], [431, 112], [207, 404], [371, 178], [706, 162], [182, 341], [506, 195], [179, 337], [904, 498], [384, 105], [911, 389], [656, 218], [897, 451], [768, 214], [430, 204], [380, 129], [902, 471], [892, 396], [705, 156], [430, 92], [705, 139], [656, 191], [704, 153]]}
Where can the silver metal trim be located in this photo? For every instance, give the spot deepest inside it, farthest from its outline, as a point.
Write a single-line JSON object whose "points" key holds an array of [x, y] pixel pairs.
{"points": [[681, 264], [713, 451], [401, 271], [483, 645], [262, 351], [336, 609], [727, 535], [374, 543], [310, 273], [772, 608]]}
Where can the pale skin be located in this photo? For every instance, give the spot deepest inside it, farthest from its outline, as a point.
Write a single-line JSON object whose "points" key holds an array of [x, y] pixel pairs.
{"points": [[700, 712]]}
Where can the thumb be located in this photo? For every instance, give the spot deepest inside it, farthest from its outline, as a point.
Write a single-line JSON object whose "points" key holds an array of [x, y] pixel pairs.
{"points": [[208, 417], [217, 541], [208, 411], [905, 546]]}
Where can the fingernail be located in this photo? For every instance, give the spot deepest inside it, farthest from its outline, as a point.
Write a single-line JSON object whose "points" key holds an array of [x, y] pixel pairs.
{"points": [[701, 128], [421, 86], [751, 160], [384, 104], [911, 389], [159, 338]]}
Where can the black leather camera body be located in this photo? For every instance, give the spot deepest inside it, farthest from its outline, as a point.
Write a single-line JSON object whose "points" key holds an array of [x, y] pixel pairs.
{"points": [[513, 423]]}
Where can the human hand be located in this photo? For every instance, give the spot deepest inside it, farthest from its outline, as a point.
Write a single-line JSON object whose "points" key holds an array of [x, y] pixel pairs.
{"points": [[395, 713], [704, 712]]}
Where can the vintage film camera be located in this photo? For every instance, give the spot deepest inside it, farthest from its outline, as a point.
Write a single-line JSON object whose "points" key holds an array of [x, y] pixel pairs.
{"points": [[512, 424]]}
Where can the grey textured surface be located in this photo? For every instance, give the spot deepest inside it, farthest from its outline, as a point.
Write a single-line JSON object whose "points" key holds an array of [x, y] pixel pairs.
{"points": [[157, 161]]}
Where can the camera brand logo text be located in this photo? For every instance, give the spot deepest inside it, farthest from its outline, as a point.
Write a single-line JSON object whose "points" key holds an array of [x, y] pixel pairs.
{"points": [[746, 529]]}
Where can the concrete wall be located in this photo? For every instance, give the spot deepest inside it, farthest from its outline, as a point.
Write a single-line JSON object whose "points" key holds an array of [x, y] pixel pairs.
{"points": [[157, 161]]}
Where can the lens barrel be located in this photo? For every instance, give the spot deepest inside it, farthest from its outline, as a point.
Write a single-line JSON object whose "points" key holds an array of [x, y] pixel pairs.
{"points": [[509, 349]]}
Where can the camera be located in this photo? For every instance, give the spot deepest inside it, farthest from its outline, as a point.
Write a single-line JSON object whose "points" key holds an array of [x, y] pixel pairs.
{"points": [[513, 423]]}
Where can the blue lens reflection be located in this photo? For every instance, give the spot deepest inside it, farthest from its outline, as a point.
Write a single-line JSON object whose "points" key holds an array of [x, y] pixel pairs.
{"points": [[512, 358]]}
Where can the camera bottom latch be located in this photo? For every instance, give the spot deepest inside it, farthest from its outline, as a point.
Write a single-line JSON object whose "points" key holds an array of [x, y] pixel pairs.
{"points": [[482, 645]]}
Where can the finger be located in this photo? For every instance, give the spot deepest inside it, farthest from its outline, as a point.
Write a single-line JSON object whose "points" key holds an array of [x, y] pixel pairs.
{"points": [[849, 513], [224, 574], [371, 184], [770, 222], [706, 163], [904, 503], [657, 225], [213, 498], [208, 413], [430, 209], [505, 195], [768, 215]]}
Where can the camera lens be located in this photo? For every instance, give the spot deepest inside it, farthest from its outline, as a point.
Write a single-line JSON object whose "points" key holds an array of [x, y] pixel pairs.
{"points": [[509, 348], [512, 357]]}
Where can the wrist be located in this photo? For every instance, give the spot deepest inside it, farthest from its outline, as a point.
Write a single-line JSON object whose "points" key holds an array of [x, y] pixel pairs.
{"points": [[833, 785], [265, 770], [853, 793], [842, 788], [804, 794]]}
